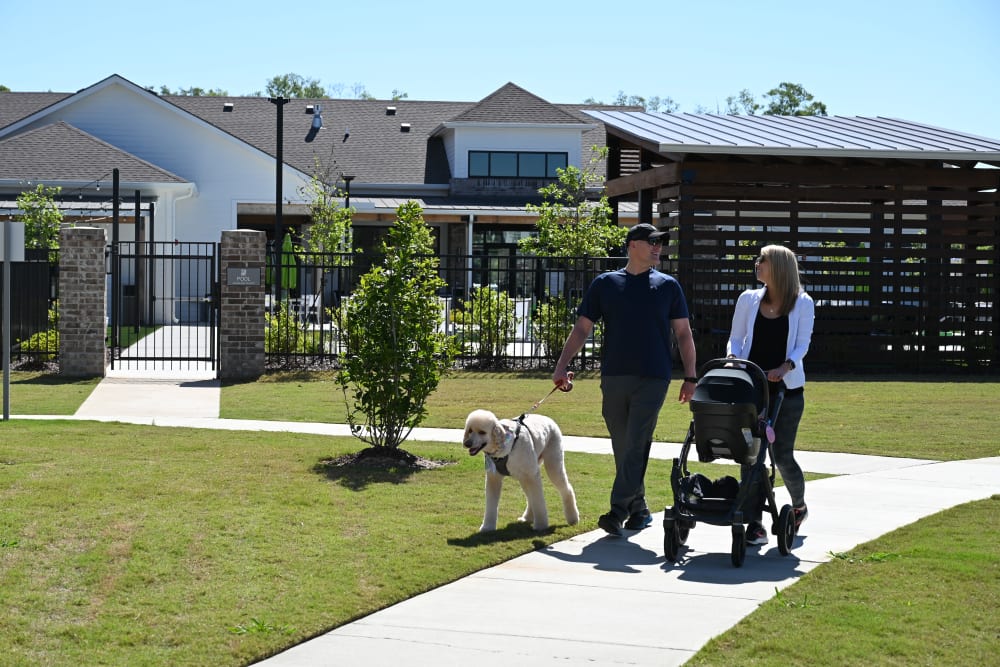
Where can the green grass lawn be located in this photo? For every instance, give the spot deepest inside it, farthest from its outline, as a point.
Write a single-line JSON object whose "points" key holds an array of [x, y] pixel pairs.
{"points": [[914, 417], [135, 545]]}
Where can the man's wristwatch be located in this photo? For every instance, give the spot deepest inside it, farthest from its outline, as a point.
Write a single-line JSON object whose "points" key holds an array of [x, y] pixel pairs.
{"points": [[691, 379], [791, 364]]}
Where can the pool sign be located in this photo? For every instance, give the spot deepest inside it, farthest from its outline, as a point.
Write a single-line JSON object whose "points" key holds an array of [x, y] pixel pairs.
{"points": [[243, 276]]}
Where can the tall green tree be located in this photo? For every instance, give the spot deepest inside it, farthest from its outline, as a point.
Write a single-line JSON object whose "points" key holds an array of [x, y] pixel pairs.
{"points": [[569, 223], [195, 91], [791, 99], [396, 352], [787, 99], [41, 216], [654, 103], [294, 85], [742, 103]]}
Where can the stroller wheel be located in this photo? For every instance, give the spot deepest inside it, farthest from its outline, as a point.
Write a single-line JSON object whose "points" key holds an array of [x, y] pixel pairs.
{"points": [[739, 552], [682, 533], [786, 530], [671, 543]]}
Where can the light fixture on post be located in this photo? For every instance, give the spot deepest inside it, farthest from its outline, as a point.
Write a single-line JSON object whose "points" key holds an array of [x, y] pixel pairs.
{"points": [[279, 103]]}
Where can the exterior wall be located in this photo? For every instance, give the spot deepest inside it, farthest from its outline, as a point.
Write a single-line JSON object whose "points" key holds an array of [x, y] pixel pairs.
{"points": [[505, 138], [241, 306], [82, 285]]}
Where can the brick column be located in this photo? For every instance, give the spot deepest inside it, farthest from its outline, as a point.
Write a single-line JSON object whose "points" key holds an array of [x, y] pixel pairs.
{"points": [[83, 351], [241, 304]]}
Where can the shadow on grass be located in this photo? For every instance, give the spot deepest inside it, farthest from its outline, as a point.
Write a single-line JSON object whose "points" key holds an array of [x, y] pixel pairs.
{"points": [[375, 465], [512, 532], [46, 379]]}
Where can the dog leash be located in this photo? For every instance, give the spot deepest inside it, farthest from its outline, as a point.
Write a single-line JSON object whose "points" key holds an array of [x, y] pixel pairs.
{"points": [[568, 388]]}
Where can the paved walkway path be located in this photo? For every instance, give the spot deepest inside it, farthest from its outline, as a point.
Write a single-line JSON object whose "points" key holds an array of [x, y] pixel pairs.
{"points": [[591, 599]]}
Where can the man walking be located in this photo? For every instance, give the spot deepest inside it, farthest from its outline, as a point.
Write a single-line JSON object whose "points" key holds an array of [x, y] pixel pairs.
{"points": [[640, 307]]}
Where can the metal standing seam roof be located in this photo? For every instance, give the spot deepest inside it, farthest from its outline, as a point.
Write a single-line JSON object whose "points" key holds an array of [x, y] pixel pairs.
{"points": [[816, 136]]}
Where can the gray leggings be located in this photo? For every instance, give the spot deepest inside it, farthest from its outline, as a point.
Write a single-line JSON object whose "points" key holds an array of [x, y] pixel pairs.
{"points": [[783, 449]]}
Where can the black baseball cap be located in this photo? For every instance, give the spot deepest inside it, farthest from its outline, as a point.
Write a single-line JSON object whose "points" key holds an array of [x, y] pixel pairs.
{"points": [[644, 232]]}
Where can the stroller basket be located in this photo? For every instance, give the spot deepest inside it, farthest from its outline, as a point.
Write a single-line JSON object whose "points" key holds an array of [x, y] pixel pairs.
{"points": [[727, 406]]}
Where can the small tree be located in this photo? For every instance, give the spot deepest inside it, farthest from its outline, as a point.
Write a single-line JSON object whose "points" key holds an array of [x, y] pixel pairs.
{"points": [[395, 350], [41, 217], [569, 224], [331, 229]]}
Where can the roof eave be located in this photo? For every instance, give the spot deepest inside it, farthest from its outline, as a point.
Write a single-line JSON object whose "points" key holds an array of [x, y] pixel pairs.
{"points": [[770, 151], [509, 125]]}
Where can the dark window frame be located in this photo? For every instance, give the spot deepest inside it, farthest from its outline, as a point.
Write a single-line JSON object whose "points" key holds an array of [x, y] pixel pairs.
{"points": [[553, 160]]}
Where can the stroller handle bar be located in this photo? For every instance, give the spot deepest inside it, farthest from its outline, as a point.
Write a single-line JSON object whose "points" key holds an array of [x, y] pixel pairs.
{"points": [[759, 379]]}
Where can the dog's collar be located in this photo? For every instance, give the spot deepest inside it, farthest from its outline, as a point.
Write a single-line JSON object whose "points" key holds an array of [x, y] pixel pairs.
{"points": [[498, 459]]}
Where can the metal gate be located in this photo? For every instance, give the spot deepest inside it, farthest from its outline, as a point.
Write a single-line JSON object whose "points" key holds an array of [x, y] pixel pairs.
{"points": [[163, 313]]}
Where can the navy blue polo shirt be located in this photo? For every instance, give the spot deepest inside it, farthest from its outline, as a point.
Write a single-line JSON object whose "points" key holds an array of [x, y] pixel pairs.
{"points": [[636, 311]]}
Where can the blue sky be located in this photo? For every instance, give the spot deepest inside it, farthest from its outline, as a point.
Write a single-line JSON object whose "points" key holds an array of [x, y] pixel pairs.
{"points": [[931, 61]]}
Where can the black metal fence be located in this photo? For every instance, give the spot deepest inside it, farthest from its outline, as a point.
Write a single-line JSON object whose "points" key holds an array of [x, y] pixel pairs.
{"points": [[514, 312], [34, 297]]}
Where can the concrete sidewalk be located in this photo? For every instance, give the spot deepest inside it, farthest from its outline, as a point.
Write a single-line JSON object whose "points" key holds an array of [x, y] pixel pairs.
{"points": [[593, 598]]}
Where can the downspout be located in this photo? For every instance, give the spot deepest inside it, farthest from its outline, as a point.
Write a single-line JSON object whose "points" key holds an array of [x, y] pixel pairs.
{"points": [[170, 317]]}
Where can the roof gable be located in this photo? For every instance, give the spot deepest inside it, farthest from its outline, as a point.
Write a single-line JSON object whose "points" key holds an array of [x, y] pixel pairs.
{"points": [[513, 104]]}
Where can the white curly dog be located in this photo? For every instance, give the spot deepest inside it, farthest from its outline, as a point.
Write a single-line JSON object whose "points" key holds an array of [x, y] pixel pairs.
{"points": [[518, 447]]}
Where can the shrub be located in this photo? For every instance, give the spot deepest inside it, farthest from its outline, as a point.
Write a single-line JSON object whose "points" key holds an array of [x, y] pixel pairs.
{"points": [[286, 335], [44, 345], [551, 324], [489, 319]]}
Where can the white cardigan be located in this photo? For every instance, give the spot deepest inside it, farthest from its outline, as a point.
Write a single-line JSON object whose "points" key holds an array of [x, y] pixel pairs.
{"points": [[800, 328]]}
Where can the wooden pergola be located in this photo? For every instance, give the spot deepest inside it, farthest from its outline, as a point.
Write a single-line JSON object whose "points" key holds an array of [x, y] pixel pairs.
{"points": [[897, 227]]}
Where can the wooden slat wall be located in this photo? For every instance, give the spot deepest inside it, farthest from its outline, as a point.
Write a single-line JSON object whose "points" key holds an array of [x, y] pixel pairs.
{"points": [[901, 260]]}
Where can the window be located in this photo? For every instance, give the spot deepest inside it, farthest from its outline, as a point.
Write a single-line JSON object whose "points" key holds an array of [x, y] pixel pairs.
{"points": [[511, 164]]}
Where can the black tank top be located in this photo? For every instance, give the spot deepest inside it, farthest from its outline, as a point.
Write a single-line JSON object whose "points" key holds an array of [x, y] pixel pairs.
{"points": [[769, 343]]}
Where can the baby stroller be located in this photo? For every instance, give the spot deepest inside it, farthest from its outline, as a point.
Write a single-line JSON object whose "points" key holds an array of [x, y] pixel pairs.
{"points": [[732, 419]]}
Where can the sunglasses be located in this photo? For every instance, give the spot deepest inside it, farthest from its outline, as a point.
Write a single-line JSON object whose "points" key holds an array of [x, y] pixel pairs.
{"points": [[760, 260], [655, 242]]}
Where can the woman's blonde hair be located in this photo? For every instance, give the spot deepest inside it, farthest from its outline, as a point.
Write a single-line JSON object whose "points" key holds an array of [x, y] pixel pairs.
{"points": [[785, 284]]}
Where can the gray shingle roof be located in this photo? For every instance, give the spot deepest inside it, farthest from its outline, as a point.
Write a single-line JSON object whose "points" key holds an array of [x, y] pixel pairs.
{"points": [[16, 106], [814, 136], [513, 104], [376, 149], [359, 136], [61, 152], [363, 138]]}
